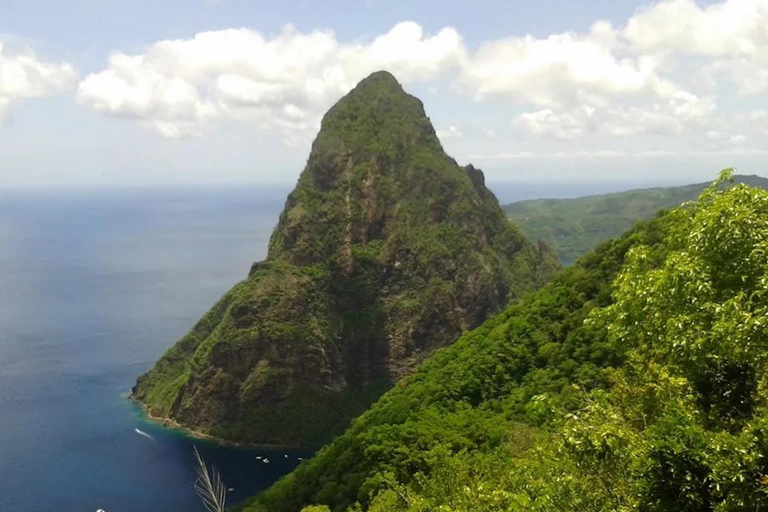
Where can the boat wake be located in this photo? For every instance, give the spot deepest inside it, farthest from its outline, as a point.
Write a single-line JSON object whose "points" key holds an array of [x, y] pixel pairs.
{"points": [[144, 434]]}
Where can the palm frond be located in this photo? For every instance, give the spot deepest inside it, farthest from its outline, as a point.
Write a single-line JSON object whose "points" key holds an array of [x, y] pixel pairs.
{"points": [[209, 486]]}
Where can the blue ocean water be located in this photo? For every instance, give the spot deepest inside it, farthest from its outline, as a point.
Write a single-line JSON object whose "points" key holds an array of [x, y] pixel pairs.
{"points": [[94, 286]]}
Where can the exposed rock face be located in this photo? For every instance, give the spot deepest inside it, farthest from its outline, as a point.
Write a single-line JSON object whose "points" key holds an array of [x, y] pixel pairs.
{"points": [[386, 250]]}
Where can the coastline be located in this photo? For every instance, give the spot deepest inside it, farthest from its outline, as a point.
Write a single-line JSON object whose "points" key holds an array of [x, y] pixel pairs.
{"points": [[196, 434]]}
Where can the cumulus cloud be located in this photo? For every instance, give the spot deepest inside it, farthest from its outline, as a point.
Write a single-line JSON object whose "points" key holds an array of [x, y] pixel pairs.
{"points": [[284, 83], [450, 132], [24, 76], [673, 116], [620, 154], [563, 126], [730, 33], [631, 79], [562, 70], [732, 27], [660, 72]]}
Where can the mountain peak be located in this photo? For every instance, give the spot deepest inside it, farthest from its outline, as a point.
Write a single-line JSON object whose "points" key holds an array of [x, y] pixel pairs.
{"points": [[376, 118], [381, 77], [385, 251]]}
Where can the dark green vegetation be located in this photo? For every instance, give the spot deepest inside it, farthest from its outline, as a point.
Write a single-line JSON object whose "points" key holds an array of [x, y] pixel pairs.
{"points": [[474, 396], [574, 227], [635, 380], [385, 251]]}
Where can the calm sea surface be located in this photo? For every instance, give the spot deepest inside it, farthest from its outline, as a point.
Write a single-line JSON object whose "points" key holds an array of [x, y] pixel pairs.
{"points": [[94, 287]]}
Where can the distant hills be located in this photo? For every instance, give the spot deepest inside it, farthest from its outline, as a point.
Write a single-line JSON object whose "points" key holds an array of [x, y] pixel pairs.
{"points": [[574, 227]]}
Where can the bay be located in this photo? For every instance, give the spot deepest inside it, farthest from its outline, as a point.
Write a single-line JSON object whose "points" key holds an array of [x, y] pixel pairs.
{"points": [[94, 286]]}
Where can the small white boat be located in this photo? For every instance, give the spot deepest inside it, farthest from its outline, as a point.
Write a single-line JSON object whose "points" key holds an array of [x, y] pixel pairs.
{"points": [[265, 461], [286, 456], [258, 457]]}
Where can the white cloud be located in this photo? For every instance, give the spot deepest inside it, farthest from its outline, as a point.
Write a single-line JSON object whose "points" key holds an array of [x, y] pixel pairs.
{"points": [[449, 132], [565, 155], [608, 154], [562, 70], [737, 139], [563, 126], [669, 72], [24, 76], [732, 27], [673, 116], [749, 75], [732, 33], [634, 79], [284, 83]]}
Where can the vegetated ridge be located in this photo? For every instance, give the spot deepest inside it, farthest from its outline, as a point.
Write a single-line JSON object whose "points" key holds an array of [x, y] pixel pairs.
{"points": [[635, 380], [386, 250], [573, 227]]}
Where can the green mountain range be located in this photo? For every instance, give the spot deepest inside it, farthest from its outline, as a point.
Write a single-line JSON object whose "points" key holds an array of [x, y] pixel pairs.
{"points": [[386, 250], [574, 227]]}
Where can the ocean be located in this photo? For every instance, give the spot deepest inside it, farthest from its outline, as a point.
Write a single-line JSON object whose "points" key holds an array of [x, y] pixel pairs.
{"points": [[94, 286]]}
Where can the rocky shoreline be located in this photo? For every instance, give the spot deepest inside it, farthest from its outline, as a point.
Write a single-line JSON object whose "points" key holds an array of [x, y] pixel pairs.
{"points": [[196, 434]]}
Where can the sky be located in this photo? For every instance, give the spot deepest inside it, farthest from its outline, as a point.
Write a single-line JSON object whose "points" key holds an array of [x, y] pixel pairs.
{"points": [[143, 92]]}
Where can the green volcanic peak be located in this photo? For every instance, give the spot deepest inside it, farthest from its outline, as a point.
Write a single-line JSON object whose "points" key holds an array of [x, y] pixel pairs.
{"points": [[376, 119], [386, 250]]}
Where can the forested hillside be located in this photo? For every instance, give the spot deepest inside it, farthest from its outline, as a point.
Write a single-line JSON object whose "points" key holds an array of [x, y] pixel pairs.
{"points": [[574, 227], [475, 395], [386, 250], [635, 380]]}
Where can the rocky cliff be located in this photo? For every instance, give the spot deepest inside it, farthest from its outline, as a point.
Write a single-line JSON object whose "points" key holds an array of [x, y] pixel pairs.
{"points": [[386, 250]]}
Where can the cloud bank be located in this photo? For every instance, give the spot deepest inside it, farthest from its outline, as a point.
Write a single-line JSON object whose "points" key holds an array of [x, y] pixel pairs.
{"points": [[650, 75], [285, 83]]}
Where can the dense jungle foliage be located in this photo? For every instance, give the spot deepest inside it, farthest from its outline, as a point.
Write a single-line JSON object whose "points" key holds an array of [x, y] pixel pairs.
{"points": [[635, 380]]}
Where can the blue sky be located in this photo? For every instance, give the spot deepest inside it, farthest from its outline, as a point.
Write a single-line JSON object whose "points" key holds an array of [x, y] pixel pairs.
{"points": [[103, 93]]}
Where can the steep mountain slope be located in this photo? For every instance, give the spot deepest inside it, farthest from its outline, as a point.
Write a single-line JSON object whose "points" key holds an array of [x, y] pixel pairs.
{"points": [[635, 380], [475, 395], [682, 424], [574, 227], [385, 251]]}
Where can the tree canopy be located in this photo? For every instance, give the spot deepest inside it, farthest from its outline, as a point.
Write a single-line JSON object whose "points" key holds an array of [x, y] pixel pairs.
{"points": [[682, 424]]}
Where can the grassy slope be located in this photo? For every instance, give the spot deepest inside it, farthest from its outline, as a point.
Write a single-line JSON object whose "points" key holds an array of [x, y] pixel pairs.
{"points": [[475, 394], [574, 227]]}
